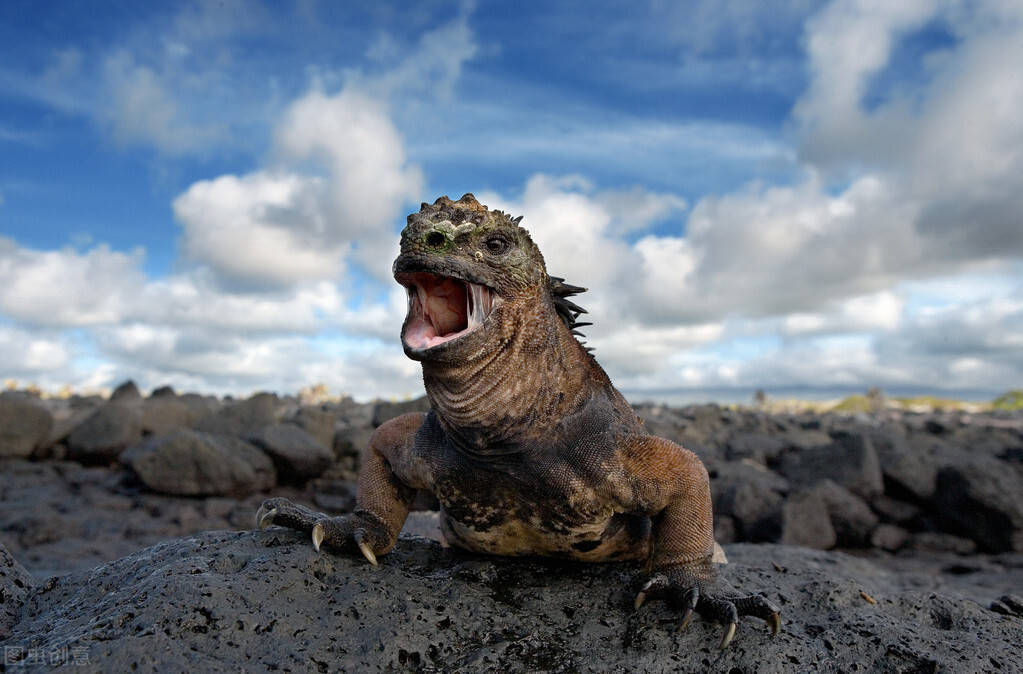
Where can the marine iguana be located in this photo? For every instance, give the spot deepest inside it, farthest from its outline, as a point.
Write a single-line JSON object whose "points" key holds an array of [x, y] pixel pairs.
{"points": [[528, 447]]}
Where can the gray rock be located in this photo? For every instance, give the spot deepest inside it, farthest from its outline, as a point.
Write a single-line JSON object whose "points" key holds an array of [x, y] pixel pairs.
{"points": [[851, 517], [266, 600], [161, 414], [759, 446], [106, 432], [910, 465], [897, 512], [752, 496], [25, 425], [981, 498], [933, 541], [297, 455], [888, 537], [191, 463], [805, 522], [318, 422], [126, 392], [849, 461], [385, 410], [243, 417]]}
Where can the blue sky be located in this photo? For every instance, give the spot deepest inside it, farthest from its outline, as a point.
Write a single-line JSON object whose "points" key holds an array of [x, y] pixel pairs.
{"points": [[785, 195]]}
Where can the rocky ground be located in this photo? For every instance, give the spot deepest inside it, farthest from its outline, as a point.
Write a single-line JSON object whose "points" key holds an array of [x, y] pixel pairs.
{"points": [[926, 507]]}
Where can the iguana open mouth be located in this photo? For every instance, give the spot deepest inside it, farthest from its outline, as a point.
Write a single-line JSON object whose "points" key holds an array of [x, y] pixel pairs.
{"points": [[442, 308]]}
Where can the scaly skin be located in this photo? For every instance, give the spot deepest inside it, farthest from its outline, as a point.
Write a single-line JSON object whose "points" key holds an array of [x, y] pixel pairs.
{"points": [[528, 446]]}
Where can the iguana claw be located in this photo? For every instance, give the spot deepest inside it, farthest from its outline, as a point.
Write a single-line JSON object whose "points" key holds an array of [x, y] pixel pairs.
{"points": [[728, 636], [317, 536], [360, 539], [264, 517]]}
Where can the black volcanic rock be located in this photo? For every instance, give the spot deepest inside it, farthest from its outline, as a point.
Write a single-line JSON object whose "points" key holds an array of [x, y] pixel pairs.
{"points": [[266, 600]]}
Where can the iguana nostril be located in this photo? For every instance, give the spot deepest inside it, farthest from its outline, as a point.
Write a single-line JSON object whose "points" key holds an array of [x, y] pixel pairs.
{"points": [[435, 239]]}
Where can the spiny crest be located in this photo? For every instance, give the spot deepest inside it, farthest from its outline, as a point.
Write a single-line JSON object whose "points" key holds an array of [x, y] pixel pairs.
{"points": [[466, 209], [568, 311]]}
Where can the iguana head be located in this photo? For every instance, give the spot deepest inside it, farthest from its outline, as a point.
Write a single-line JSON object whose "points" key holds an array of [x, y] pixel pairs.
{"points": [[464, 266]]}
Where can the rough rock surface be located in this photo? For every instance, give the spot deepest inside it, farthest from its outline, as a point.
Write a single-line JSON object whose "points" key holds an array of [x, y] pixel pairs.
{"points": [[266, 600], [196, 464]]}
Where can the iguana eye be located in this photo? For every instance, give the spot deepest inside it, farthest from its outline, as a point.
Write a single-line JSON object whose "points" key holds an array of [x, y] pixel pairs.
{"points": [[496, 245]]}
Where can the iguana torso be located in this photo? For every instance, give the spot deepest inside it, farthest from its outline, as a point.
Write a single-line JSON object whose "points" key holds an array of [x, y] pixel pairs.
{"points": [[528, 446]]}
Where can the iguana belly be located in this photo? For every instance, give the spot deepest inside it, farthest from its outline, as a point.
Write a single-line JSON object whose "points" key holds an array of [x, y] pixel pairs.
{"points": [[614, 537]]}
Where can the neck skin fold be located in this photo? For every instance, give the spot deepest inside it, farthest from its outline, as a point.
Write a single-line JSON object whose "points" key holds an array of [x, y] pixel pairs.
{"points": [[532, 374]]}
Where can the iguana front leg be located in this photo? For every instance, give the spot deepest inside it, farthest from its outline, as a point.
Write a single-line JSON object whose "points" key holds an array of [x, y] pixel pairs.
{"points": [[671, 485], [383, 498]]}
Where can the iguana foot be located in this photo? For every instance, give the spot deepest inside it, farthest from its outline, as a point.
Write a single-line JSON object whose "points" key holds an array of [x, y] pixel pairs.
{"points": [[681, 586], [361, 528]]}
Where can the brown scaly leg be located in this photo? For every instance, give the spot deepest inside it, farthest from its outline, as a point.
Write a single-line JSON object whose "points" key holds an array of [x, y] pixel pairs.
{"points": [[383, 498], [685, 588], [672, 486]]}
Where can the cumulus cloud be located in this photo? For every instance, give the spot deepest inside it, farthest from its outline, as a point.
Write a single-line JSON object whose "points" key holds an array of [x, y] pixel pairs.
{"points": [[66, 288], [276, 227]]}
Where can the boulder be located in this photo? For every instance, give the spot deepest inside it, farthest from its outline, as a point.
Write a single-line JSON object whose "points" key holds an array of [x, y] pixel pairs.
{"points": [[243, 417], [192, 463], [106, 432], [126, 392], [981, 498], [758, 446], [258, 601], [888, 537], [385, 410], [25, 425], [752, 496], [805, 522], [851, 518], [297, 455], [319, 423], [163, 413], [849, 461]]}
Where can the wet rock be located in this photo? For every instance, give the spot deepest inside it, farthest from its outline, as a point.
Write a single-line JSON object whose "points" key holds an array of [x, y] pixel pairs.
{"points": [[849, 461], [25, 425], [297, 455], [107, 431], [191, 463], [267, 600]]}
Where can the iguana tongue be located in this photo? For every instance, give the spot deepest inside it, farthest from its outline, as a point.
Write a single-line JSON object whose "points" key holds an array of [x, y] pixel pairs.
{"points": [[445, 305]]}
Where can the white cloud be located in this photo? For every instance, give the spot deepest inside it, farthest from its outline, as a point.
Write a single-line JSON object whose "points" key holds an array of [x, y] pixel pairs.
{"points": [[277, 227], [66, 288]]}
